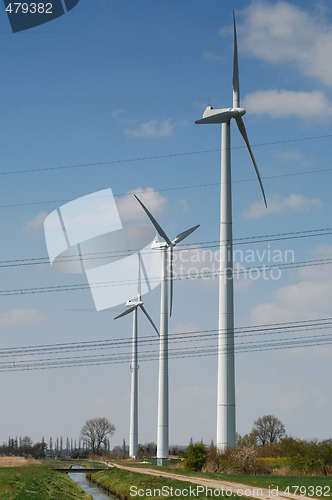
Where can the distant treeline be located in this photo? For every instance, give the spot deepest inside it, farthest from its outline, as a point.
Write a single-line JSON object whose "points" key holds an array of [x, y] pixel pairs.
{"points": [[59, 447]]}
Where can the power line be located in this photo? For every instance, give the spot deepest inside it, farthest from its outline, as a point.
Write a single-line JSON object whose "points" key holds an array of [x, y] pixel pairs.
{"points": [[158, 157], [176, 188], [178, 354], [310, 233], [185, 336], [188, 276]]}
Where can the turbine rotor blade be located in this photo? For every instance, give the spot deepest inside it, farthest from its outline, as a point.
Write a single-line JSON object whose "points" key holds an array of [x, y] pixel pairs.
{"points": [[171, 285], [184, 235], [128, 311], [236, 82], [159, 229], [176, 240], [139, 287], [149, 318], [243, 132], [145, 274]]}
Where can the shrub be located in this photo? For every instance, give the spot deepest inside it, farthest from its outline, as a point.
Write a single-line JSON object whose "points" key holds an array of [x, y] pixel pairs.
{"points": [[308, 457], [194, 457], [237, 460]]}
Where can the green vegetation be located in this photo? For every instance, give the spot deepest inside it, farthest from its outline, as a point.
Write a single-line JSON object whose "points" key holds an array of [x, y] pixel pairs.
{"points": [[194, 457], [288, 457], [308, 457], [282, 482], [119, 482], [261, 481], [38, 482], [25, 448]]}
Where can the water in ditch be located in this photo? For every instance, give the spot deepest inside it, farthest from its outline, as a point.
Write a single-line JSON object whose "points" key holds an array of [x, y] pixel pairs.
{"points": [[95, 491]]}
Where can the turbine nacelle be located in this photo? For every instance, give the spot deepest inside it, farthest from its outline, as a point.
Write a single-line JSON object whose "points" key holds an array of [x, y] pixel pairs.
{"points": [[131, 303], [167, 243], [223, 115], [159, 244]]}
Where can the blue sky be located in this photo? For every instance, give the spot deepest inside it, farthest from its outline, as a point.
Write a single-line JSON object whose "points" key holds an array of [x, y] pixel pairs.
{"points": [[126, 80]]}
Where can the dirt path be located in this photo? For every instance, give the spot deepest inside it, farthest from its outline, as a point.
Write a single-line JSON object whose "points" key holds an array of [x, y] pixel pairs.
{"points": [[224, 486]]}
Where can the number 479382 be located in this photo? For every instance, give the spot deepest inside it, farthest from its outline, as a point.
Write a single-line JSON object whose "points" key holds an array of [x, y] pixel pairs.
{"points": [[32, 8], [310, 491]]}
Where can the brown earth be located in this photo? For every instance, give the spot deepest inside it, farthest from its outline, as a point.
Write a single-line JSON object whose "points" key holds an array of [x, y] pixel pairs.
{"points": [[247, 491], [17, 461]]}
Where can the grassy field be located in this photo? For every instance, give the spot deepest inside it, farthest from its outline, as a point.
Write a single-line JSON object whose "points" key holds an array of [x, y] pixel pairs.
{"points": [[119, 482], [38, 482], [17, 461], [313, 486]]}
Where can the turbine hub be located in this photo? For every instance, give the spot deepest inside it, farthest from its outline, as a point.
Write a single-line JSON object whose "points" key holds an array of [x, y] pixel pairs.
{"points": [[240, 111]]}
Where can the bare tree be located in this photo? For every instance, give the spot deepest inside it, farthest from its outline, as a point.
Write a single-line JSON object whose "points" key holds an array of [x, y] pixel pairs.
{"points": [[269, 429], [26, 441], [247, 439], [95, 431]]}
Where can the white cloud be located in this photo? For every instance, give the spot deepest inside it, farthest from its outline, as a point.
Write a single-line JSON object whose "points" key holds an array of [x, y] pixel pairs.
{"points": [[187, 327], [182, 205], [307, 299], [281, 204], [195, 262], [242, 285], [322, 252], [321, 272], [211, 56], [153, 128], [271, 312], [36, 222], [92, 214], [129, 208], [284, 103], [294, 156], [117, 113], [17, 317], [282, 33]]}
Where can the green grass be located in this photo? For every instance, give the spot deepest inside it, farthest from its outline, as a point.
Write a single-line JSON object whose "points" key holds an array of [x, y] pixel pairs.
{"points": [[38, 482], [282, 482], [119, 482], [264, 481]]}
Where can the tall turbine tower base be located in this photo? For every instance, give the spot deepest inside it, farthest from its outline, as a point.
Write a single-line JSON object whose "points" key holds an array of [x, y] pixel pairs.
{"points": [[226, 434], [226, 430], [166, 248], [133, 433], [162, 431]]}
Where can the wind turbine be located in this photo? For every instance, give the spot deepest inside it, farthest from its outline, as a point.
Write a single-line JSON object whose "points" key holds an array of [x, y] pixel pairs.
{"points": [[166, 248], [133, 306], [226, 434]]}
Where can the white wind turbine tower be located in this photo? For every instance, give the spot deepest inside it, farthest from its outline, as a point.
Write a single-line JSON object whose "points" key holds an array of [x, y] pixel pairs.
{"points": [[226, 433], [133, 306], [166, 248]]}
